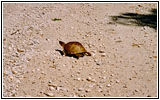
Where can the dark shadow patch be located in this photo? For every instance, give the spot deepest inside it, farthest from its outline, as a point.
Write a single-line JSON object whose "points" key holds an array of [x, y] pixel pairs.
{"points": [[72, 56], [137, 19], [61, 52]]}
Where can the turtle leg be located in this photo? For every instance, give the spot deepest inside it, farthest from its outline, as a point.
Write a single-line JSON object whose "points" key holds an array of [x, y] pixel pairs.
{"points": [[79, 55], [64, 53], [88, 54]]}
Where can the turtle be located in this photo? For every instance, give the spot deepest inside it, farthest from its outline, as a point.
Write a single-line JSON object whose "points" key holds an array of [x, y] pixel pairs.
{"points": [[74, 49]]}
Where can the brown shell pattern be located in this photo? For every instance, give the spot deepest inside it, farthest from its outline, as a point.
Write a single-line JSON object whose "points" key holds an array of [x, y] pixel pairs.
{"points": [[74, 48]]}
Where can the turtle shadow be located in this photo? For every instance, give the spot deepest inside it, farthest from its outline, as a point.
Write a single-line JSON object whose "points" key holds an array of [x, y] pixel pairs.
{"points": [[61, 52]]}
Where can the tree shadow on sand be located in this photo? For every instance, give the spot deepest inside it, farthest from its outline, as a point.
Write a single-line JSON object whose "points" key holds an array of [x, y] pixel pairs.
{"points": [[137, 19]]}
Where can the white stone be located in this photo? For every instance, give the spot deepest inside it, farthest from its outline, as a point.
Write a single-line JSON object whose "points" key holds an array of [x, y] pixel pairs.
{"points": [[51, 88], [89, 78], [49, 94], [117, 81], [78, 79], [80, 89], [108, 85], [91, 85]]}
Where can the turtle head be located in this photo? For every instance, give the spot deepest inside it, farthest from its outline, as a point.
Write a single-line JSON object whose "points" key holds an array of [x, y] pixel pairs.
{"points": [[62, 43]]}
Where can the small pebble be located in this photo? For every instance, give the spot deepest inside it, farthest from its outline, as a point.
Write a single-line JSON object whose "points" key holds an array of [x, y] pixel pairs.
{"points": [[77, 79], [78, 72], [5, 72], [18, 81], [100, 90], [125, 86], [81, 95], [136, 90], [11, 77], [44, 62], [63, 65], [100, 86], [17, 87], [49, 94], [95, 60], [14, 71], [101, 52], [13, 92], [74, 95], [47, 39], [87, 90], [98, 63], [93, 80], [61, 88], [89, 78], [91, 85], [58, 88], [53, 66], [53, 85], [149, 96], [89, 45], [43, 73], [10, 48], [91, 74], [20, 50], [80, 89], [103, 55], [73, 62], [108, 85], [111, 80], [51, 88], [112, 74], [117, 81], [104, 77], [109, 93]]}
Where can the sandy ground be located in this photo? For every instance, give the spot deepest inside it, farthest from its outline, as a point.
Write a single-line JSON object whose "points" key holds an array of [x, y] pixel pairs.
{"points": [[123, 61]]}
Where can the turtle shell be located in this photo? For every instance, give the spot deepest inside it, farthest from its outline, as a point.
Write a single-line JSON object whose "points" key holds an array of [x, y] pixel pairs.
{"points": [[74, 48]]}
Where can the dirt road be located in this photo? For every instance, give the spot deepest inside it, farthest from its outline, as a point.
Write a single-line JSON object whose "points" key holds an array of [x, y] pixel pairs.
{"points": [[121, 37]]}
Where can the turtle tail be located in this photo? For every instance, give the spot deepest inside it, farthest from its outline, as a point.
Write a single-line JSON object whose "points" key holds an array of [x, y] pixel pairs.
{"points": [[88, 54], [62, 43]]}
